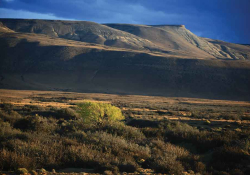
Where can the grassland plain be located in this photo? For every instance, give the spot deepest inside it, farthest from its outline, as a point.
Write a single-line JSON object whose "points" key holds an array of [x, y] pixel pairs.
{"points": [[41, 129]]}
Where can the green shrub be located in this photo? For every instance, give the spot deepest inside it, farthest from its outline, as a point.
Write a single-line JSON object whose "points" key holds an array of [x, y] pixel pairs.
{"points": [[97, 112]]}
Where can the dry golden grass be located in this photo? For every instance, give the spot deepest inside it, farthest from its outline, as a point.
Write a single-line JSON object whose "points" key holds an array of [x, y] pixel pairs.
{"points": [[174, 119], [137, 107], [22, 97]]}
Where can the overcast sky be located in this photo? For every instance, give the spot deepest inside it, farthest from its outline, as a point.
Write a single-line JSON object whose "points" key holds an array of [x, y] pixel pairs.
{"points": [[226, 20]]}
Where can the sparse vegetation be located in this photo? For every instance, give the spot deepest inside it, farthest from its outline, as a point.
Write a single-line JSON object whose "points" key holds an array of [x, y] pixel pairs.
{"points": [[96, 136]]}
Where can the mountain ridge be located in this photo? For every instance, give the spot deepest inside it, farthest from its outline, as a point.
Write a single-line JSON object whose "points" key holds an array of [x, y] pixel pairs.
{"points": [[170, 38], [32, 57]]}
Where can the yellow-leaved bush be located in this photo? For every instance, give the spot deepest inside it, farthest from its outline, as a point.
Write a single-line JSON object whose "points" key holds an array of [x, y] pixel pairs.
{"points": [[97, 112]]}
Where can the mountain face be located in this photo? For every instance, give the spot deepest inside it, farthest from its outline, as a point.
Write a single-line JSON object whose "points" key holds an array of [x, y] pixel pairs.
{"points": [[172, 39], [81, 56], [179, 38]]}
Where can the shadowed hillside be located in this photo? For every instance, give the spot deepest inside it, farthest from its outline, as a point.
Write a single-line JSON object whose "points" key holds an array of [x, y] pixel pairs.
{"points": [[35, 57]]}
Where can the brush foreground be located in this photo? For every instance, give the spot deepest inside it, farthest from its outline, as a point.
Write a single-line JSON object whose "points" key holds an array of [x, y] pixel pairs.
{"points": [[42, 129]]}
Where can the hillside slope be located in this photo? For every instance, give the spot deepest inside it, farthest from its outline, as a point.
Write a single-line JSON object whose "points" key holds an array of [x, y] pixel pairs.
{"points": [[80, 31], [179, 38], [172, 39], [42, 62]]}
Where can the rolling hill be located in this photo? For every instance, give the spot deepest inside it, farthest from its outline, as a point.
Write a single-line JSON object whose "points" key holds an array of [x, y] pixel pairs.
{"points": [[81, 56]]}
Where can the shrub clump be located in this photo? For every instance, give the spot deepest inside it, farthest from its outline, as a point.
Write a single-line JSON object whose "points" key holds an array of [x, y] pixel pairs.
{"points": [[67, 114], [97, 112], [165, 157]]}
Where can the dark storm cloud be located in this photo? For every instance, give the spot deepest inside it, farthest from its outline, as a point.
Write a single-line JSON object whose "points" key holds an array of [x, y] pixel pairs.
{"points": [[218, 19]]}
